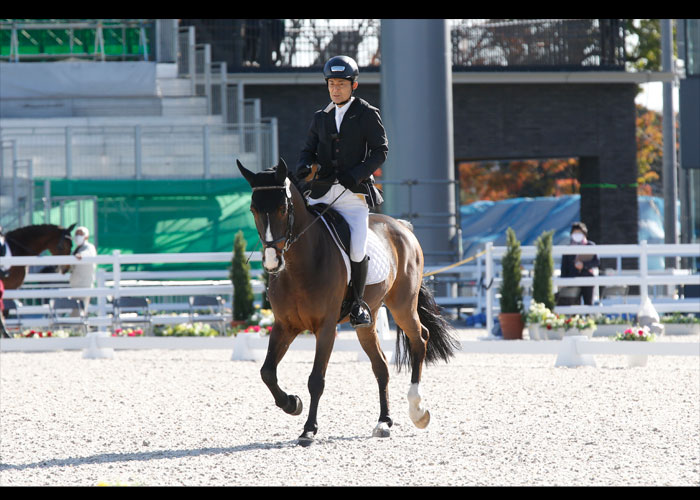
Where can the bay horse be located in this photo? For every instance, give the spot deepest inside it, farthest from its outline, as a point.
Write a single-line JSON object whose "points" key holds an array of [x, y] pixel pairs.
{"points": [[308, 283], [32, 240]]}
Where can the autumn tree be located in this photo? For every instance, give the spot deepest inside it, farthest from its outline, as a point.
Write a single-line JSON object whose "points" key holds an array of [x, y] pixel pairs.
{"points": [[500, 180]]}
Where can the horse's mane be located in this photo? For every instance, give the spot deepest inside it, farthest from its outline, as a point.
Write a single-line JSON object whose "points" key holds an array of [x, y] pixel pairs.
{"points": [[29, 230]]}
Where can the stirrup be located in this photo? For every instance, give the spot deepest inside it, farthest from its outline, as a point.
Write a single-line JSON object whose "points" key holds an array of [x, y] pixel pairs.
{"points": [[360, 314]]}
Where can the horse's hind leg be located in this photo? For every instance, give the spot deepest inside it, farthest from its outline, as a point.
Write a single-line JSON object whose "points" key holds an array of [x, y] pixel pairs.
{"points": [[406, 317], [370, 344], [280, 339]]}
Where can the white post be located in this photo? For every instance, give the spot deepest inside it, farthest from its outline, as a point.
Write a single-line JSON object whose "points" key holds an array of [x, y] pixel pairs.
{"points": [[101, 300], [116, 273], [488, 282], [643, 272]]}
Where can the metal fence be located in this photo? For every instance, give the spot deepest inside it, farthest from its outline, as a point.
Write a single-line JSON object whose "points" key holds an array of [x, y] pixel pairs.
{"points": [[538, 44], [141, 152], [250, 45], [98, 39]]}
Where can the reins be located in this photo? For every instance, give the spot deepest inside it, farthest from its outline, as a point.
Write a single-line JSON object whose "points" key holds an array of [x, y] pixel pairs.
{"points": [[290, 221]]}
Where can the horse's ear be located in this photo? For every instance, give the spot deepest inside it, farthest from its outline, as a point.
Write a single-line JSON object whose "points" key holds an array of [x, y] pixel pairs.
{"points": [[281, 174], [249, 176], [70, 229]]}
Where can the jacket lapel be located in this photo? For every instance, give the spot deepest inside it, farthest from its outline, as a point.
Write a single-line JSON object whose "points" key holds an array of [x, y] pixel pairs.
{"points": [[351, 113], [330, 119]]}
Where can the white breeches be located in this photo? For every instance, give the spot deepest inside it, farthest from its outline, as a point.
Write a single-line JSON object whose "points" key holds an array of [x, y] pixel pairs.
{"points": [[353, 207]]}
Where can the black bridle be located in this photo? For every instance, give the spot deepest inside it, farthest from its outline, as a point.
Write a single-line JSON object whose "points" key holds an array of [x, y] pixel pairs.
{"points": [[288, 238]]}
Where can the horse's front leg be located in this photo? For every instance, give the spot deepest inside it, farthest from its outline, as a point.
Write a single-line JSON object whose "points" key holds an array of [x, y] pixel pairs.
{"points": [[325, 338], [280, 340]]}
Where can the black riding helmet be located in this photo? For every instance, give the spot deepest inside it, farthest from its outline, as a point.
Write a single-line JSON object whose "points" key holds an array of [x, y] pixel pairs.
{"points": [[341, 67]]}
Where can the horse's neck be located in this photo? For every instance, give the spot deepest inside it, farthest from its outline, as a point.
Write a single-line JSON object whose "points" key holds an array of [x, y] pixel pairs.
{"points": [[34, 247], [310, 241]]}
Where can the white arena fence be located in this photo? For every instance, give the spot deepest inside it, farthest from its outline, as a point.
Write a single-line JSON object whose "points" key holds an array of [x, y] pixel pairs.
{"points": [[641, 277], [571, 351], [118, 283]]}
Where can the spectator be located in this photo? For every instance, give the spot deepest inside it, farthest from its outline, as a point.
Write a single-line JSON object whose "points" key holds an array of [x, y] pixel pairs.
{"points": [[252, 42], [574, 266], [83, 275]]}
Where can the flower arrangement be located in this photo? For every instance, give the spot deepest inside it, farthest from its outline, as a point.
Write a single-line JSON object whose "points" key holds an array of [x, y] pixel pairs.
{"points": [[679, 318], [188, 330], [39, 334], [636, 334], [602, 319], [536, 313], [265, 330], [127, 332], [262, 317], [541, 315]]}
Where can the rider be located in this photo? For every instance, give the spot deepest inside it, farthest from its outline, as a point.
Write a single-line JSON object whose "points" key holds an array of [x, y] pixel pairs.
{"points": [[348, 143]]}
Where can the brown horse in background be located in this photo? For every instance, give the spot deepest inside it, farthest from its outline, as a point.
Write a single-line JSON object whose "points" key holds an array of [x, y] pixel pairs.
{"points": [[32, 240], [307, 285]]}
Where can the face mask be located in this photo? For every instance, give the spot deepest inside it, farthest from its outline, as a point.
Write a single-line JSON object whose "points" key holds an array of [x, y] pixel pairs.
{"points": [[577, 237], [79, 240]]}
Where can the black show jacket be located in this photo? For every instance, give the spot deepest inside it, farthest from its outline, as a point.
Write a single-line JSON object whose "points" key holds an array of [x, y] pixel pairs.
{"points": [[360, 147]]}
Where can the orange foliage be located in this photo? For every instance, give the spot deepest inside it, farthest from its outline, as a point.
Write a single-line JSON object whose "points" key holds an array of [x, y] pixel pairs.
{"points": [[499, 180], [495, 181]]}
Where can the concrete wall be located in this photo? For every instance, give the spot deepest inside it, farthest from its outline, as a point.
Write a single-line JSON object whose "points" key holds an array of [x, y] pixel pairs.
{"points": [[594, 122]]}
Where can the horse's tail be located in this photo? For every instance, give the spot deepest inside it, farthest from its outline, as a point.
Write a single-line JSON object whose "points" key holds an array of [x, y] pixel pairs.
{"points": [[442, 342]]}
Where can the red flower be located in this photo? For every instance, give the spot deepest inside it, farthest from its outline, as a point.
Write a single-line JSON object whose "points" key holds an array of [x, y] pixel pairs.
{"points": [[641, 333]]}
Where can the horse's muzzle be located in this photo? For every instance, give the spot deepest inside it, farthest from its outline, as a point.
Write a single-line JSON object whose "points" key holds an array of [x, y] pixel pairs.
{"points": [[273, 260]]}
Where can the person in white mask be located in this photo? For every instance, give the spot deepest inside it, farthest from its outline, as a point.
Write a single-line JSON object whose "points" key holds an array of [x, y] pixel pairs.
{"points": [[584, 264], [83, 275]]}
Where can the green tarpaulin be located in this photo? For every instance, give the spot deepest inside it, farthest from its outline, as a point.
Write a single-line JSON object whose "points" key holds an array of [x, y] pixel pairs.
{"points": [[174, 216]]}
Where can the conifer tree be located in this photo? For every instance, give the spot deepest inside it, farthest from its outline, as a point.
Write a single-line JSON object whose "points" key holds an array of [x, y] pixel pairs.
{"points": [[240, 277]]}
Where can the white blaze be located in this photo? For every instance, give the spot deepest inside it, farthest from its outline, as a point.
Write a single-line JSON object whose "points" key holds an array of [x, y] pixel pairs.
{"points": [[270, 256]]}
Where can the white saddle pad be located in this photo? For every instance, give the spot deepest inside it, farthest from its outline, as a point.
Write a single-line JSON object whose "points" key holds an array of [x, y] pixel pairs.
{"points": [[379, 264]]}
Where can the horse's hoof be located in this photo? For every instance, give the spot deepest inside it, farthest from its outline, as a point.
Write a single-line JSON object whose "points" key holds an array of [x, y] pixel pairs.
{"points": [[381, 430], [294, 406], [306, 439], [423, 422]]}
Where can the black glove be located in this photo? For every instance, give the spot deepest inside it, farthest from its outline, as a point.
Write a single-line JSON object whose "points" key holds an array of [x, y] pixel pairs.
{"points": [[303, 172], [347, 180]]}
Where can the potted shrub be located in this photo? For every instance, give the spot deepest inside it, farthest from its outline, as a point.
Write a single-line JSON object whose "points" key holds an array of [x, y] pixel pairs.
{"points": [[240, 277], [511, 317], [543, 270]]}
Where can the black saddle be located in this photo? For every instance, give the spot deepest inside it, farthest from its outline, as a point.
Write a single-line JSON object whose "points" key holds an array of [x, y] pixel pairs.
{"points": [[340, 230]]}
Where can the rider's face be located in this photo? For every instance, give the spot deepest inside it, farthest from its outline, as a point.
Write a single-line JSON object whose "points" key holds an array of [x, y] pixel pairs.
{"points": [[340, 89]]}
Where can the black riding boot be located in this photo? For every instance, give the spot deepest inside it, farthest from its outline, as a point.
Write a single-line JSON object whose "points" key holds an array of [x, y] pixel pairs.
{"points": [[360, 314]]}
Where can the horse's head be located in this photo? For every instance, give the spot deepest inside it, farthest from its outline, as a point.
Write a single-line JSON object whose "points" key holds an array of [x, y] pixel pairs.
{"points": [[273, 210], [62, 244]]}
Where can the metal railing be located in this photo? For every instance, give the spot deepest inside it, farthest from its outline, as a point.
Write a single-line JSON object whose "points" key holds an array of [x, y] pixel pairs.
{"points": [[98, 39], [643, 278], [573, 44], [145, 151], [249, 45]]}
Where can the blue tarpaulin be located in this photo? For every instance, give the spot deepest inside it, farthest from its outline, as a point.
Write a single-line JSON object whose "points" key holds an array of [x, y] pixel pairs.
{"points": [[485, 221]]}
